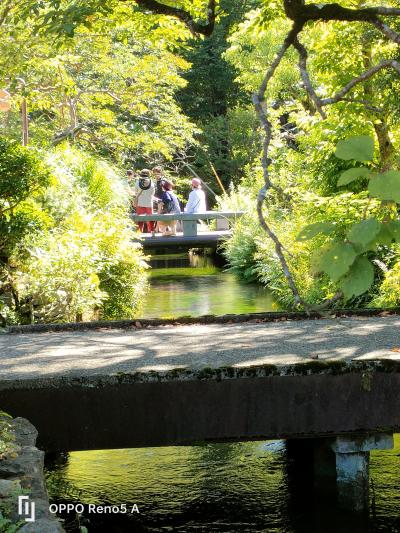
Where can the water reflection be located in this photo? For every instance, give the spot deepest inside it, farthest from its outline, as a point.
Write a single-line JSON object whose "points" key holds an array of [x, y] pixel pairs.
{"points": [[240, 487], [192, 285]]}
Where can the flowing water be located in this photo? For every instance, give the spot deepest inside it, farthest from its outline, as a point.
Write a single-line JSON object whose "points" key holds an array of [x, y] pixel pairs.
{"points": [[192, 285], [227, 488]]}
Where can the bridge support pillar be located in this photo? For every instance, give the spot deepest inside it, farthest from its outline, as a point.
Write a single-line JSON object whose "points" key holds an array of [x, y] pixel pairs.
{"points": [[352, 467], [339, 465]]}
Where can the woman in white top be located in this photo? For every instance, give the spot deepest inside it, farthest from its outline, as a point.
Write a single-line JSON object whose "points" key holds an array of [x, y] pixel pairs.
{"points": [[197, 198], [144, 193]]}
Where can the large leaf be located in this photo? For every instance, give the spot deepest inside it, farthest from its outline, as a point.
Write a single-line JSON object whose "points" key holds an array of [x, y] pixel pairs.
{"points": [[337, 260], [359, 278], [364, 232], [310, 231], [385, 236], [352, 174], [386, 186], [394, 228], [360, 148]]}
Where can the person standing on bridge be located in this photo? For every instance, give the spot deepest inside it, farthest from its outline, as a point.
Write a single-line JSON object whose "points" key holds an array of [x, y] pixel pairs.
{"points": [[158, 176], [169, 204], [144, 193], [197, 198]]}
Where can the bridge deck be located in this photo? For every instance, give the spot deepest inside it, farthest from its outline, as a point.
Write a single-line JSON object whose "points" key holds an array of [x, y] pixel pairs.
{"points": [[197, 346], [121, 388]]}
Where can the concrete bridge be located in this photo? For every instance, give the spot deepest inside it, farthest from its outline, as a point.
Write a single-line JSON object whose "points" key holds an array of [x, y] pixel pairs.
{"points": [[152, 383], [190, 237]]}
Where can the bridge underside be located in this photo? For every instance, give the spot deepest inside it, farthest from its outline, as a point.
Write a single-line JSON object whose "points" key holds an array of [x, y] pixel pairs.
{"points": [[206, 239], [140, 410]]}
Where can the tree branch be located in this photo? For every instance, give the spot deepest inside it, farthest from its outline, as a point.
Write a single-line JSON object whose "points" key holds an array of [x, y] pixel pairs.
{"points": [[195, 27], [278, 249], [69, 133], [298, 11], [387, 31], [301, 13], [259, 100], [303, 56], [359, 79], [365, 103]]}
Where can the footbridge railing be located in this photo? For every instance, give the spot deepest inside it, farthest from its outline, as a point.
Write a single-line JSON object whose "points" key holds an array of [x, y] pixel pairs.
{"points": [[189, 220]]}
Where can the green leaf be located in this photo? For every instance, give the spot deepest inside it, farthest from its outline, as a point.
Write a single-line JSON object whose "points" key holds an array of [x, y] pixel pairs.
{"points": [[310, 231], [336, 260], [360, 148], [359, 278], [69, 29], [364, 232], [394, 228], [386, 186], [385, 236], [352, 174]]}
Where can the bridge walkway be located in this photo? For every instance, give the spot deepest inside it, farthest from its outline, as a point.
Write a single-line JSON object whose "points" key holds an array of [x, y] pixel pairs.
{"points": [[197, 346]]}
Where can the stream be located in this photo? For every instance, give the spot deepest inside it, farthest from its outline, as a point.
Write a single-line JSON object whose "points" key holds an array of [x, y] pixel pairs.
{"points": [[225, 487], [187, 284]]}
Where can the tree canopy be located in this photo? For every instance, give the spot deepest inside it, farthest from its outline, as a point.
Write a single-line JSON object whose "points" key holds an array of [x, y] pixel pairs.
{"points": [[292, 103]]}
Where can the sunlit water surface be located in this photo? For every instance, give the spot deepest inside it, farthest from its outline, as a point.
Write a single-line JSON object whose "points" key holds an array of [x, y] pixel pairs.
{"points": [[191, 285], [237, 487]]}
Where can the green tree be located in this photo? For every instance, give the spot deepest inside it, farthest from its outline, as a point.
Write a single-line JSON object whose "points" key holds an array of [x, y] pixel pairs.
{"points": [[109, 89]]}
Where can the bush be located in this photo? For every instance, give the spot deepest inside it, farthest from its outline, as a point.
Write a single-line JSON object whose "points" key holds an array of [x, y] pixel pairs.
{"points": [[82, 264], [251, 253], [388, 293], [23, 176]]}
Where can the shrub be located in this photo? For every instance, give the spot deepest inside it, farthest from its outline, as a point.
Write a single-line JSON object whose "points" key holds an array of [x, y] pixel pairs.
{"points": [[82, 264], [23, 176], [388, 293]]}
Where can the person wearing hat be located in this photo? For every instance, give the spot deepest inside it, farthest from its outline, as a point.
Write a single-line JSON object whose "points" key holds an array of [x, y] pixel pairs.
{"points": [[197, 198], [144, 192]]}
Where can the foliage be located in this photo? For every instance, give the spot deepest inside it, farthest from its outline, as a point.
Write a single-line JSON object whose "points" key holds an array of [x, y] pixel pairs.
{"points": [[111, 89], [388, 293], [348, 261], [67, 270], [212, 95], [23, 177], [133, 85], [7, 436], [7, 526]]}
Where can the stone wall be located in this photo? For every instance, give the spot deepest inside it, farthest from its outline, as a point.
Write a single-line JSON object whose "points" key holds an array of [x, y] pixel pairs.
{"points": [[22, 474]]}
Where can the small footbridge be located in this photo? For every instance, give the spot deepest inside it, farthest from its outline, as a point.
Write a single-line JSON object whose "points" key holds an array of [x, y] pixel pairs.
{"points": [[193, 234], [328, 385]]}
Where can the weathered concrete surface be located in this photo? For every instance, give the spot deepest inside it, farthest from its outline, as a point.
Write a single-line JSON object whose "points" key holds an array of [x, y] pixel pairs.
{"points": [[85, 353], [352, 467], [179, 385]]}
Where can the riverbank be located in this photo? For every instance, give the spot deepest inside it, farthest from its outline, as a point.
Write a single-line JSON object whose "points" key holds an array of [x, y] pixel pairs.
{"points": [[22, 475]]}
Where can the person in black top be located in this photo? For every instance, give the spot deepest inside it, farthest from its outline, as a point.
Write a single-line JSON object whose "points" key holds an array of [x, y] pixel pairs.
{"points": [[158, 181], [169, 204]]}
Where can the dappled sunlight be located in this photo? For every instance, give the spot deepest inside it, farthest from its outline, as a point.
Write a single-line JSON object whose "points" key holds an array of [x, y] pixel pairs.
{"points": [[196, 347]]}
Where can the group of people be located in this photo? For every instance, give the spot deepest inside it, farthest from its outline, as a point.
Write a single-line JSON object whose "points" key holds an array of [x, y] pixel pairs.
{"points": [[151, 190]]}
